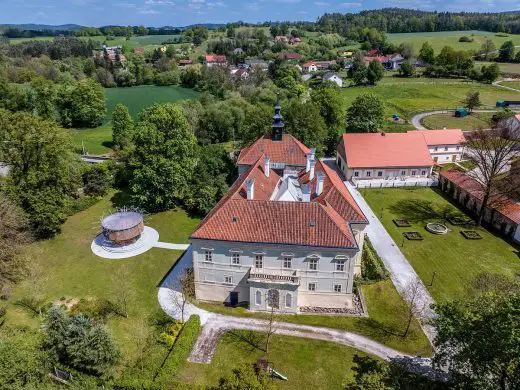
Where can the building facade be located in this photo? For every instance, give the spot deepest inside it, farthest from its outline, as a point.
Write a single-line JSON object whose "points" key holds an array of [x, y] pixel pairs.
{"points": [[287, 235]]}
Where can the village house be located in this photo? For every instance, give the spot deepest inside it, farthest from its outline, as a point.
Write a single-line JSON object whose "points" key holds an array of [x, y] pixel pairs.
{"points": [[502, 213], [255, 63], [183, 63], [390, 62], [309, 67], [335, 78], [290, 56], [444, 145], [215, 60], [287, 236]]}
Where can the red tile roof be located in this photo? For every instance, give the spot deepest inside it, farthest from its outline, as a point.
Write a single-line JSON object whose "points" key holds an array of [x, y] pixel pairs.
{"points": [[501, 203], [377, 150], [442, 137], [213, 58], [324, 221], [291, 56], [289, 151]]}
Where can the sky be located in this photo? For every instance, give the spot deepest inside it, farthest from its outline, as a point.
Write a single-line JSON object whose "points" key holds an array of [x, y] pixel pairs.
{"points": [[185, 12]]}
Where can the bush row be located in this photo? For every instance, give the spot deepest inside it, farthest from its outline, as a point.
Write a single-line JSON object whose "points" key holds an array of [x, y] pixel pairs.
{"points": [[372, 267]]}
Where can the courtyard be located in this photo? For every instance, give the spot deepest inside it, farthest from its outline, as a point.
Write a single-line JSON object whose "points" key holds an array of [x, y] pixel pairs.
{"points": [[447, 264]]}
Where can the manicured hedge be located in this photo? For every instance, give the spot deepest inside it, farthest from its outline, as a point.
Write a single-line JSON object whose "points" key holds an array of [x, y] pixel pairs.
{"points": [[372, 267]]}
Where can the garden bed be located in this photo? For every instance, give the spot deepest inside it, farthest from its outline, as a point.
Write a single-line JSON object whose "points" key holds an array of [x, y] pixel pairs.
{"points": [[471, 235], [401, 223], [413, 236]]}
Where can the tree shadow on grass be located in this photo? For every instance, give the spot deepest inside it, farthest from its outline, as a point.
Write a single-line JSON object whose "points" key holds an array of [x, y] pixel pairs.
{"points": [[416, 210], [245, 339], [108, 144], [121, 199]]}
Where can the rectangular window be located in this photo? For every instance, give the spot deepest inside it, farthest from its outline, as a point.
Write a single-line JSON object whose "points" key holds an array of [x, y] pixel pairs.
{"points": [[368, 174], [312, 286], [380, 173], [235, 258], [287, 262], [423, 172], [228, 280], [413, 173], [337, 288], [313, 264], [458, 147], [340, 266], [446, 149], [435, 149], [208, 256], [356, 174], [259, 261], [403, 173]]}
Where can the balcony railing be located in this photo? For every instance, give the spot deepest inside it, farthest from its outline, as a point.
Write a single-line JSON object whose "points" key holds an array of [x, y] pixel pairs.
{"points": [[269, 275]]}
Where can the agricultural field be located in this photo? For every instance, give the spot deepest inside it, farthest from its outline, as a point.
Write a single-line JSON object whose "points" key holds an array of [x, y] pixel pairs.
{"points": [[455, 260], [99, 140], [408, 98], [477, 120], [306, 363], [504, 67], [451, 38]]}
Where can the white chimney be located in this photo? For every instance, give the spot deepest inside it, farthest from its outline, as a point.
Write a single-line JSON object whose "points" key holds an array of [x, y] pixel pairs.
{"points": [[250, 186], [311, 174], [306, 192], [320, 178], [267, 166], [308, 166]]}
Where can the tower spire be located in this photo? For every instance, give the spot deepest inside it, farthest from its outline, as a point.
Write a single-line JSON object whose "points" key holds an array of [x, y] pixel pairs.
{"points": [[277, 125]]}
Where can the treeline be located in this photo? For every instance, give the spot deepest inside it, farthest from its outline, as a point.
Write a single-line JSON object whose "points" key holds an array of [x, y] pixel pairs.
{"points": [[399, 20], [13, 32], [58, 48]]}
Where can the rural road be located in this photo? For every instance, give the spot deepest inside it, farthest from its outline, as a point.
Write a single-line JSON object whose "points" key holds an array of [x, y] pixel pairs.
{"points": [[215, 325]]}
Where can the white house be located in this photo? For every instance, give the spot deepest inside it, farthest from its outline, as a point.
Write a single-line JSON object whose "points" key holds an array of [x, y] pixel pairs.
{"points": [[285, 237], [330, 76], [310, 67], [444, 145]]}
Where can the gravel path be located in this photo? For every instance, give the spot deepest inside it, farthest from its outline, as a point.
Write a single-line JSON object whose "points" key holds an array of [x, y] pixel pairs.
{"points": [[417, 119], [497, 84], [401, 272]]}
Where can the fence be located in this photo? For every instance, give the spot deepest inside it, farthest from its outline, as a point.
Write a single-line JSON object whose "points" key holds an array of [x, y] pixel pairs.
{"points": [[397, 183]]}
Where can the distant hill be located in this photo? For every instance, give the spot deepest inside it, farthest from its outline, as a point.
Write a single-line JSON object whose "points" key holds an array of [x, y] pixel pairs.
{"points": [[42, 27]]}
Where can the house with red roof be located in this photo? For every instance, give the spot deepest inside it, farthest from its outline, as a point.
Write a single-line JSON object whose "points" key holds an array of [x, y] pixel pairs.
{"points": [[291, 56], [391, 156], [502, 212], [287, 236], [310, 66], [215, 60]]}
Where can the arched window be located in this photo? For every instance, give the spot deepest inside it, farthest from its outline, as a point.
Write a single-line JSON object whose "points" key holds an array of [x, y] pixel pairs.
{"points": [[258, 297], [288, 300]]}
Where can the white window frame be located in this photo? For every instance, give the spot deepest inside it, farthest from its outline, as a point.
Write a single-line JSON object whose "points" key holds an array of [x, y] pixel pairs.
{"points": [[403, 172], [337, 285], [208, 256], [288, 296], [230, 279], [235, 258], [313, 262], [258, 298], [287, 260], [368, 173], [259, 259], [423, 172], [356, 173], [445, 148], [435, 148], [311, 284], [379, 173], [414, 173], [340, 265]]}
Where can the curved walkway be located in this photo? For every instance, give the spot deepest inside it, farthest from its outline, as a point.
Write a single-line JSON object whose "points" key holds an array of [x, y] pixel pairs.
{"points": [[497, 84], [215, 325]]}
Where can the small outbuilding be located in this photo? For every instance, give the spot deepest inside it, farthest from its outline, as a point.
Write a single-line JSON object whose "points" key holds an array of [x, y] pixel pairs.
{"points": [[123, 227], [335, 78]]}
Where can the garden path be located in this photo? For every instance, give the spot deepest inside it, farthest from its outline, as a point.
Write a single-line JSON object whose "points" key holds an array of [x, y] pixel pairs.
{"points": [[401, 271]]}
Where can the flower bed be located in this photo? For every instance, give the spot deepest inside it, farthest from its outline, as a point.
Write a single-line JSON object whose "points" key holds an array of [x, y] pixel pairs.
{"points": [[401, 223], [414, 236], [471, 235]]}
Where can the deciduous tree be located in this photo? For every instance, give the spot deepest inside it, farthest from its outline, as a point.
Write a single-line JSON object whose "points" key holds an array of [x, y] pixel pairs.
{"points": [[366, 114], [122, 126], [506, 53], [426, 54], [375, 72], [472, 100]]}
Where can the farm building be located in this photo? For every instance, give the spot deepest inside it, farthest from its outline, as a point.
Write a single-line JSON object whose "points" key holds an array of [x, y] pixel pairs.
{"points": [[335, 78]]}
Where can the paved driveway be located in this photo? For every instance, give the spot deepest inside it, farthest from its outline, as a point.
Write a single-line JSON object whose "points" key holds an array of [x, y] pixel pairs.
{"points": [[402, 273]]}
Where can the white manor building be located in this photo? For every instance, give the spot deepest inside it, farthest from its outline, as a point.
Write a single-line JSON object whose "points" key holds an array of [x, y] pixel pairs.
{"points": [[287, 235], [387, 156]]}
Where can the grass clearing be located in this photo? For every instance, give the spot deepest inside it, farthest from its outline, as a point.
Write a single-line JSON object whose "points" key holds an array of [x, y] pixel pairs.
{"points": [[451, 38], [65, 267], [385, 324], [306, 363], [505, 67], [407, 99], [455, 260], [511, 84], [477, 120]]}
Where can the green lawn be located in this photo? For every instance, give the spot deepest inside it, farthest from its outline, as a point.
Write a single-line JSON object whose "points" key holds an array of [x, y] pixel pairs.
{"points": [[65, 267], [474, 121], [512, 84], [385, 324], [307, 363], [409, 98], [99, 140], [455, 260], [451, 38], [504, 67]]}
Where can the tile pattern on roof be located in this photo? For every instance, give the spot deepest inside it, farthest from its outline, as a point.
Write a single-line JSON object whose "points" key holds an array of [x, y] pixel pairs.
{"points": [[289, 151]]}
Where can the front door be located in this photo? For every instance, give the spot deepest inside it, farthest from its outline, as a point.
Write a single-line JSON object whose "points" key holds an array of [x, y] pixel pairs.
{"points": [[233, 298], [454, 157]]}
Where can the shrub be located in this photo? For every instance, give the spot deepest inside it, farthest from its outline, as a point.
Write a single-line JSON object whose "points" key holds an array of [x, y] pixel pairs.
{"points": [[167, 78], [172, 332], [465, 39], [372, 267], [98, 309]]}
